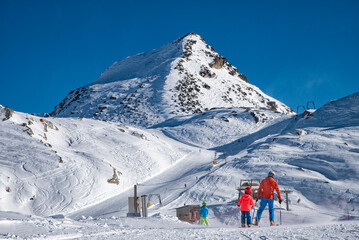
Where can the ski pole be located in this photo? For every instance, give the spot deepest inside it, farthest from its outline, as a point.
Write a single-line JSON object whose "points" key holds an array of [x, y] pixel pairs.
{"points": [[254, 211], [280, 213]]}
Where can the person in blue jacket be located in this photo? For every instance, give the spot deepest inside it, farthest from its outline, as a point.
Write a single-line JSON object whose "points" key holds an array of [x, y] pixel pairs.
{"points": [[203, 212]]}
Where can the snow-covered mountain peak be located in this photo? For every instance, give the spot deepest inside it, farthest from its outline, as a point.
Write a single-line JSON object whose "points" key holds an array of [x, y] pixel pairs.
{"points": [[152, 62], [189, 37], [183, 77]]}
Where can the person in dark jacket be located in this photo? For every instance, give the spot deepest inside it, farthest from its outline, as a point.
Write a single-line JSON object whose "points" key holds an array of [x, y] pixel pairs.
{"points": [[203, 212]]}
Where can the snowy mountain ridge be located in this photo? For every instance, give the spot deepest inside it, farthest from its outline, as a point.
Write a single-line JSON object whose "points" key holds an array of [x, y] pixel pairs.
{"points": [[184, 77]]}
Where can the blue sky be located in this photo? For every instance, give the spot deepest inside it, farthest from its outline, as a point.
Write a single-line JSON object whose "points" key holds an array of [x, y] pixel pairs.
{"points": [[294, 51]]}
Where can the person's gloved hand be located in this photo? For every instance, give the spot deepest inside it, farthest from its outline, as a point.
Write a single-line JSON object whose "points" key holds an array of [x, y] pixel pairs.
{"points": [[280, 200]]}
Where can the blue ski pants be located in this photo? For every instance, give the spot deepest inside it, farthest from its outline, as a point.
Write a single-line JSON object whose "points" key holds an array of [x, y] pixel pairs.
{"points": [[263, 205], [246, 214]]}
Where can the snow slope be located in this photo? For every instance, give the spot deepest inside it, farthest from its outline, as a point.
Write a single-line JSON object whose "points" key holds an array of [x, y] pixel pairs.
{"points": [[218, 126], [159, 227], [181, 78], [61, 165], [55, 181]]}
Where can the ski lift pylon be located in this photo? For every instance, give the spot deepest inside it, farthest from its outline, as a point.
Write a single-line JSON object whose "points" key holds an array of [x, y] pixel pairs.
{"points": [[310, 102], [253, 183], [299, 107]]}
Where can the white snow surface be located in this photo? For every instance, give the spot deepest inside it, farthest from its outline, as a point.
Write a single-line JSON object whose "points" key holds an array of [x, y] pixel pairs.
{"points": [[18, 226], [55, 172], [183, 77]]}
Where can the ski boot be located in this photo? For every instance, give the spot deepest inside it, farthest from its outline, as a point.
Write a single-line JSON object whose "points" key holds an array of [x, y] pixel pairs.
{"points": [[243, 225], [249, 225], [272, 223], [256, 223]]}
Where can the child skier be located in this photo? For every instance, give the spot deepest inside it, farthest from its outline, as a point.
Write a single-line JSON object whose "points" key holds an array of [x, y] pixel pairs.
{"points": [[245, 202], [203, 212]]}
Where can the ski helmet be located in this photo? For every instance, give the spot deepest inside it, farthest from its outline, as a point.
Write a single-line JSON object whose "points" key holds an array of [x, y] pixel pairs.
{"points": [[204, 203], [271, 174], [248, 190]]}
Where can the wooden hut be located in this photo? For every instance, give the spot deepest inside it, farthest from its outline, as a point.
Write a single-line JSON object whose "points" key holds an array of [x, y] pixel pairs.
{"points": [[188, 213]]}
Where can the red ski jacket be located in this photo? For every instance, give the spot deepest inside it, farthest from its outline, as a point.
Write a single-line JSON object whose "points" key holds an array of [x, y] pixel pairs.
{"points": [[268, 185], [245, 202]]}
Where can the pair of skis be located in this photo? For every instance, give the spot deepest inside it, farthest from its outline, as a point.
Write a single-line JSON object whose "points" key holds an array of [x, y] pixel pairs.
{"points": [[280, 214]]}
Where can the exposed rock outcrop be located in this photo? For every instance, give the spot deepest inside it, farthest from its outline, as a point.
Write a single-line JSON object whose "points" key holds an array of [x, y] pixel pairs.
{"points": [[8, 113], [218, 62], [115, 178]]}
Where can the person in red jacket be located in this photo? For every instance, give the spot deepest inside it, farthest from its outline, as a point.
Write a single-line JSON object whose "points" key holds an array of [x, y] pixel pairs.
{"points": [[268, 185], [246, 202]]}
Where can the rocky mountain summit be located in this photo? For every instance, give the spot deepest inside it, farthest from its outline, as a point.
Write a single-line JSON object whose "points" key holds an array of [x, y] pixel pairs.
{"points": [[186, 76]]}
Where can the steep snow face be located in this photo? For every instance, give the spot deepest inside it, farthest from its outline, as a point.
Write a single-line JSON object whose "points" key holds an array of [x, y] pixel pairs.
{"points": [[184, 77], [144, 65]]}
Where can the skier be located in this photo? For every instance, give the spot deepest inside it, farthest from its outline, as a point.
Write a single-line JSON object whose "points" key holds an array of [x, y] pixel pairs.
{"points": [[268, 185], [203, 212], [245, 202]]}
